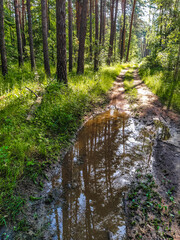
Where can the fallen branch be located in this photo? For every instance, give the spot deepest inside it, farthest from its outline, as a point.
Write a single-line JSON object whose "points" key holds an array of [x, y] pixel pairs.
{"points": [[32, 92]]}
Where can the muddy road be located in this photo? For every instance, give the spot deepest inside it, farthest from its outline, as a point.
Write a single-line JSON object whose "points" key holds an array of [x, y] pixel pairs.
{"points": [[86, 194]]}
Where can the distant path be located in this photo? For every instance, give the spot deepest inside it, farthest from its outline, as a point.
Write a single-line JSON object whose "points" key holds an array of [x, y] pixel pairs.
{"points": [[148, 104], [148, 108], [117, 94]]}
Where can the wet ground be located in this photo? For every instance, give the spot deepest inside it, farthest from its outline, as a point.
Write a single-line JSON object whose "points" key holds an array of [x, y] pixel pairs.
{"points": [[83, 198], [94, 176], [88, 190]]}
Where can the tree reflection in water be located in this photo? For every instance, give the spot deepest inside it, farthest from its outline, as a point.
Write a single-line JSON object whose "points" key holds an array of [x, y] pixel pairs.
{"points": [[94, 176]]}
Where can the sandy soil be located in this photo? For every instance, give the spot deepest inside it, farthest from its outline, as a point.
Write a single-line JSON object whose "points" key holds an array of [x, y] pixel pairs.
{"points": [[166, 160], [147, 108]]}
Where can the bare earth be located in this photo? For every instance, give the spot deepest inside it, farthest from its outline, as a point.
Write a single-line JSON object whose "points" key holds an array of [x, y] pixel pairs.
{"points": [[166, 157], [166, 165]]}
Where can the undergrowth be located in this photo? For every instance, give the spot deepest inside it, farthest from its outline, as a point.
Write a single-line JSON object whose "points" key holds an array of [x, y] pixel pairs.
{"points": [[160, 81], [129, 86], [148, 211], [28, 147]]}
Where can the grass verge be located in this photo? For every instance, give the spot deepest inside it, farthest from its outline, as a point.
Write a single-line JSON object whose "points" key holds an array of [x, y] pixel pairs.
{"points": [[160, 81], [129, 86], [28, 147], [149, 215]]}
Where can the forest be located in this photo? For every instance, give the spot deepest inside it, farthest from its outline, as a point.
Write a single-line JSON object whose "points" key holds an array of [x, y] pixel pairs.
{"points": [[63, 62]]}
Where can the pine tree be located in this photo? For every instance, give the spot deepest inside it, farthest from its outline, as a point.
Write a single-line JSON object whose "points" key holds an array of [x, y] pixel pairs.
{"points": [[61, 40], [2, 41]]}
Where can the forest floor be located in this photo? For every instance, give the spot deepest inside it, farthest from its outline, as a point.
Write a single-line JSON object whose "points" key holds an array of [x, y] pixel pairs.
{"points": [[152, 204]]}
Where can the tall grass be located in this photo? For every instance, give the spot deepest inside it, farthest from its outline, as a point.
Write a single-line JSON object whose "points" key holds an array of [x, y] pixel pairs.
{"points": [[160, 81], [28, 147]]}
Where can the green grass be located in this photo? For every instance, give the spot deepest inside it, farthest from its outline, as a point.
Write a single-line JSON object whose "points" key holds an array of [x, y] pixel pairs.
{"points": [[129, 86], [28, 147], [161, 82]]}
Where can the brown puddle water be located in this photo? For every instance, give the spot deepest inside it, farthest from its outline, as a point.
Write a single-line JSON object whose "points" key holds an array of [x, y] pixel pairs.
{"points": [[95, 174]]}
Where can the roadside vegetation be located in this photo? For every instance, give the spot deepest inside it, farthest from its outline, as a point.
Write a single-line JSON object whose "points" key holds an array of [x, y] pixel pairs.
{"points": [[161, 82], [151, 216], [29, 146], [131, 91]]}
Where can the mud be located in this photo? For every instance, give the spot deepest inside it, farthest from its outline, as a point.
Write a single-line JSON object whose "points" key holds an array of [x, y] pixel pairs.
{"points": [[84, 194]]}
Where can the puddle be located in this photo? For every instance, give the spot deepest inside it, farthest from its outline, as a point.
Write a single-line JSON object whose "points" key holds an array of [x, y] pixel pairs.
{"points": [[95, 174], [85, 196]]}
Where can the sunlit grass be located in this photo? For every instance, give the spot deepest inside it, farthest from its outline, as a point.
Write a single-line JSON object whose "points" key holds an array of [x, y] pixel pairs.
{"points": [[160, 82], [131, 91], [27, 147]]}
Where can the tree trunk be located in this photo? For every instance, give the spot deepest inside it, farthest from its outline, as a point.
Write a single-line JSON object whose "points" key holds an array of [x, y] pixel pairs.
{"points": [[82, 37], [123, 30], [18, 31], [70, 34], [175, 79], [114, 30], [23, 19], [104, 22], [2, 41], [30, 35], [90, 30], [96, 37], [111, 34], [78, 16], [101, 22], [129, 42], [45, 37], [61, 40]]}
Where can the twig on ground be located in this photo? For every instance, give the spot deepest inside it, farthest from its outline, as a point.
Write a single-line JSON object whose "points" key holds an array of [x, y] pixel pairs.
{"points": [[32, 92]]}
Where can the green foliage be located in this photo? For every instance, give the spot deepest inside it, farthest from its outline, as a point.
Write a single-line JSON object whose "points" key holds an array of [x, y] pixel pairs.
{"points": [[129, 86], [28, 147], [160, 81]]}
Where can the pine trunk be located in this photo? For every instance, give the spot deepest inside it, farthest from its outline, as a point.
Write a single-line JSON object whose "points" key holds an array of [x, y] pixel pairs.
{"points": [[90, 30], [111, 34], [123, 30], [45, 37], [129, 42], [104, 22], [96, 37], [70, 35], [78, 16], [23, 19], [30, 35], [18, 32], [101, 22], [114, 29], [61, 40], [82, 37], [2, 41]]}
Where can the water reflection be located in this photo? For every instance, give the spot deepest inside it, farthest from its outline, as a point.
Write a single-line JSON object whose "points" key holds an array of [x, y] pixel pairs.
{"points": [[94, 176]]}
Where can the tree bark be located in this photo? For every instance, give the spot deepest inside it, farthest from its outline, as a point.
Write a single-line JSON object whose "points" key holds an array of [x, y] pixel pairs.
{"points": [[175, 79], [111, 34], [30, 35], [129, 42], [96, 37], [114, 30], [2, 41], [90, 31], [101, 21], [23, 19], [70, 35], [104, 22], [82, 37], [45, 37], [78, 16], [123, 30], [18, 31], [61, 40]]}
